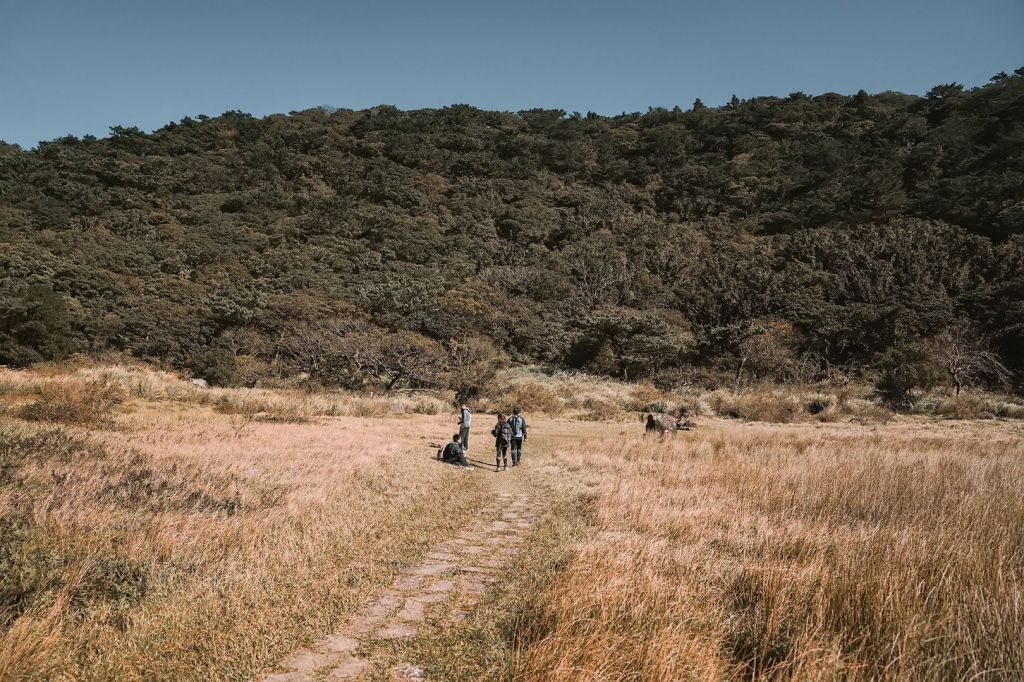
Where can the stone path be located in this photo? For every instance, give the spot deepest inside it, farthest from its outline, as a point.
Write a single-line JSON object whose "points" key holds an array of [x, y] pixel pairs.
{"points": [[448, 581]]}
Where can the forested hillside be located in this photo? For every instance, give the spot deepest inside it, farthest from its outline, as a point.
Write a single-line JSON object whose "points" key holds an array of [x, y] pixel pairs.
{"points": [[798, 238]]}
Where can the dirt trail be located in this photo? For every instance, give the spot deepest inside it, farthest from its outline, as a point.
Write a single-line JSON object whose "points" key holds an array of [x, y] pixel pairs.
{"points": [[450, 579]]}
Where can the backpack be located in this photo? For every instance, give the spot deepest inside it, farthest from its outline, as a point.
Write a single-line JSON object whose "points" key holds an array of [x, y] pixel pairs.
{"points": [[515, 423], [503, 432]]}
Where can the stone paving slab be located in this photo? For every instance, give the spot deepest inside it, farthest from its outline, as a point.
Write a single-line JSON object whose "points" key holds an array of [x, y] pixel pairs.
{"points": [[308, 661], [441, 586], [348, 670], [288, 677], [397, 631], [337, 643]]}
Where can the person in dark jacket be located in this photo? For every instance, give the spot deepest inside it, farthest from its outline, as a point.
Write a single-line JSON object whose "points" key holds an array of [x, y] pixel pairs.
{"points": [[502, 438], [518, 426], [453, 453]]}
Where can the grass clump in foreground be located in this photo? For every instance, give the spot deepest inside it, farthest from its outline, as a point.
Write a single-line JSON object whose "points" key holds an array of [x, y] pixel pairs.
{"points": [[178, 547], [89, 403], [813, 552]]}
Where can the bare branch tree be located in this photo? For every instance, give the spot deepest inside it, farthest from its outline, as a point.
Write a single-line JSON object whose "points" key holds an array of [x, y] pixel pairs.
{"points": [[310, 347], [968, 358], [387, 360]]}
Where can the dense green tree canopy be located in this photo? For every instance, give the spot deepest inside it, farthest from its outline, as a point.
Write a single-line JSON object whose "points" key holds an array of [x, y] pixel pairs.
{"points": [[634, 245]]}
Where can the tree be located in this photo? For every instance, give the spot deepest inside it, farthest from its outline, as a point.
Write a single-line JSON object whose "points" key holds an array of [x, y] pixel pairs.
{"points": [[968, 358], [311, 346], [769, 351], [389, 361], [216, 365], [906, 371], [599, 273], [945, 90], [34, 326], [629, 344], [8, 149], [474, 362]]}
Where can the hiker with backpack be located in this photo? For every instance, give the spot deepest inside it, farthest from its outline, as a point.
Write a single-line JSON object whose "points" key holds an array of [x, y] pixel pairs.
{"points": [[502, 433], [518, 426]]}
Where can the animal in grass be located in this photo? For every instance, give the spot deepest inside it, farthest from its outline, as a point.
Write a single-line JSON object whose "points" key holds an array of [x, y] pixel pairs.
{"points": [[663, 423]]}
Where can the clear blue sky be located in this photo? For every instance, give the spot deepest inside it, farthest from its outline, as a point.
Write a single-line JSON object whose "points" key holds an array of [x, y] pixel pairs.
{"points": [[80, 66]]}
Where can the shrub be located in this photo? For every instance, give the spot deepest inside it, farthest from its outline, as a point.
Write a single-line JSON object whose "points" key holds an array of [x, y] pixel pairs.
{"points": [[293, 411], [216, 365], [819, 404], [905, 372], [426, 407], [252, 370], [660, 407], [261, 406], [642, 397], [866, 411], [673, 378], [34, 325], [770, 409], [969, 405], [241, 403], [763, 405], [28, 566], [17, 445], [233, 204], [600, 410], [1005, 410], [89, 403], [529, 394], [368, 407]]}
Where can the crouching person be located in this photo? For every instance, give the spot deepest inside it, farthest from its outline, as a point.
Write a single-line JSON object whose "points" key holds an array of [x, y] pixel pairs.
{"points": [[453, 452]]}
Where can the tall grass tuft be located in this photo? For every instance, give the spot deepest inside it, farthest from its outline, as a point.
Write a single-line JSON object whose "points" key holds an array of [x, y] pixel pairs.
{"points": [[88, 403]]}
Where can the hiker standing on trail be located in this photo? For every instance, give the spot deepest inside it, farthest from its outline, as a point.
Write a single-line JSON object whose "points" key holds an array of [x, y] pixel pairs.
{"points": [[502, 433], [518, 426], [464, 420], [453, 453]]}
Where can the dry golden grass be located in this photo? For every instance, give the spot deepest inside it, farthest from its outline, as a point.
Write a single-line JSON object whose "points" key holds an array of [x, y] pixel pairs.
{"points": [[172, 541], [589, 398], [827, 551], [187, 533], [100, 388]]}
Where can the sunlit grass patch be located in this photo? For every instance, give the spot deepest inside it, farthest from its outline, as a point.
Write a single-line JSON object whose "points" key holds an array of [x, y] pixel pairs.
{"points": [[819, 550]]}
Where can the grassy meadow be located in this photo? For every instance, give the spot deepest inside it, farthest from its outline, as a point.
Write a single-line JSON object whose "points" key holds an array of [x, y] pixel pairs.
{"points": [[151, 529], [809, 551]]}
